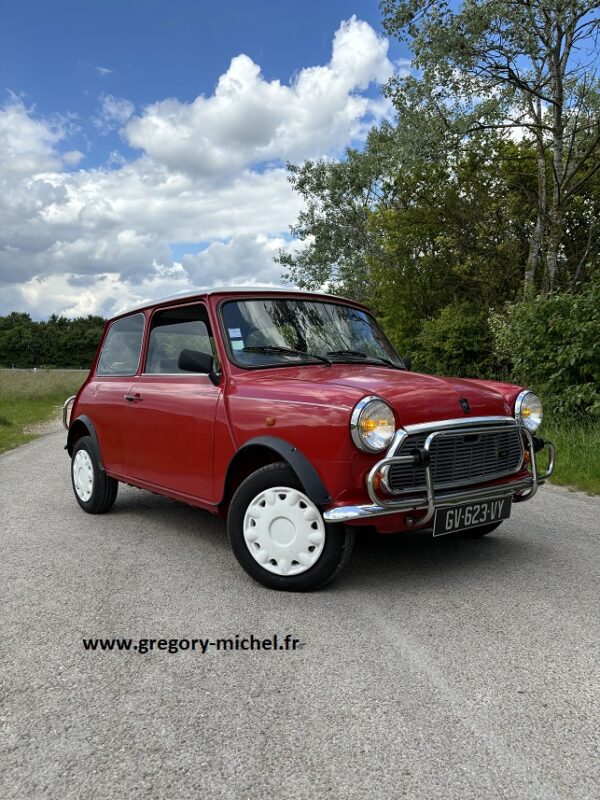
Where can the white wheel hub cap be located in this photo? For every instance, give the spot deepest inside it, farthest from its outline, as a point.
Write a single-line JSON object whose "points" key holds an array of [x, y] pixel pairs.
{"points": [[83, 475], [284, 531]]}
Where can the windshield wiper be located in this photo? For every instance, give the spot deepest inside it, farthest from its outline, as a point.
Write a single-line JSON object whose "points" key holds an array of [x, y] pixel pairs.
{"points": [[358, 354], [346, 353], [285, 350]]}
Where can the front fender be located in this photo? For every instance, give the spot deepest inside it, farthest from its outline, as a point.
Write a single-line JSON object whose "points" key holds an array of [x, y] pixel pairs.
{"points": [[305, 472]]}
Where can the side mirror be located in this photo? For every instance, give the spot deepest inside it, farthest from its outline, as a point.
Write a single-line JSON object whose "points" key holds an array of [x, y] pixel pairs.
{"points": [[407, 361], [195, 361]]}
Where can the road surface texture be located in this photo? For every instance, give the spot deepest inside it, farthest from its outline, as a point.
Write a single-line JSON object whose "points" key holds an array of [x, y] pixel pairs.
{"points": [[430, 669]]}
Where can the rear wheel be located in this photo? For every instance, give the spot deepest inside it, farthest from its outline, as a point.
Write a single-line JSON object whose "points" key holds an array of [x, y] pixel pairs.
{"points": [[279, 536], [95, 491]]}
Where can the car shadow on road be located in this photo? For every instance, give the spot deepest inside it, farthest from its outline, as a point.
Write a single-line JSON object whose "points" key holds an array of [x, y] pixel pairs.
{"points": [[418, 557], [403, 559], [170, 516]]}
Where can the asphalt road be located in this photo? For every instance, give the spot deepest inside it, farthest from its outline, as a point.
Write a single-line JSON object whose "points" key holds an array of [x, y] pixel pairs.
{"points": [[430, 669]]}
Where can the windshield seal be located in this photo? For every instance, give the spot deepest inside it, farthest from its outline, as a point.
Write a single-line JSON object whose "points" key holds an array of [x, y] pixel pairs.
{"points": [[308, 362]]}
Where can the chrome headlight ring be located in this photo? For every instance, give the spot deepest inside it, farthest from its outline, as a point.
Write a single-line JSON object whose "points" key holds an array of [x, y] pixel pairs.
{"points": [[528, 410], [372, 424]]}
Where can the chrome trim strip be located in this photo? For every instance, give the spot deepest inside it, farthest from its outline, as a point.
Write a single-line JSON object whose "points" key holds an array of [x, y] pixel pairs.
{"points": [[399, 437], [519, 405], [174, 375], [346, 513], [65, 410], [438, 425], [449, 484], [550, 469], [467, 482], [519, 402], [355, 417], [443, 424], [521, 489]]}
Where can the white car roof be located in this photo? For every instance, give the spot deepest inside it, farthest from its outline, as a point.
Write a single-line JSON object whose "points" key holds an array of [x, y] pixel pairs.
{"points": [[205, 291]]}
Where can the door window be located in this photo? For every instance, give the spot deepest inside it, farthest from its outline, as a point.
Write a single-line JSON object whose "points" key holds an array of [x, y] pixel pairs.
{"points": [[122, 347], [174, 330]]}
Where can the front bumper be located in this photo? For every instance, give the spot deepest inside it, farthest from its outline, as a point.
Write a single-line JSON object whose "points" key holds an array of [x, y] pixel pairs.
{"points": [[520, 489]]}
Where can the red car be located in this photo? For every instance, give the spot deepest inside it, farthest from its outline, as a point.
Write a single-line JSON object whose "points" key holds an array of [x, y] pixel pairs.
{"points": [[291, 414]]}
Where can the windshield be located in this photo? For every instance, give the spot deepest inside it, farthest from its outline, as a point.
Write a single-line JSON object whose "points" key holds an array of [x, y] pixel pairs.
{"points": [[288, 331]]}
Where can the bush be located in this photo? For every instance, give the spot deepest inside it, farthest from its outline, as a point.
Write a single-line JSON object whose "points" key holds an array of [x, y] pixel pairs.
{"points": [[553, 345], [458, 342]]}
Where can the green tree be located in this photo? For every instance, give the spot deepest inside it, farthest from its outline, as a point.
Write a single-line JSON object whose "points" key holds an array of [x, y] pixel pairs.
{"points": [[552, 343], [57, 342], [338, 199], [512, 65], [458, 234], [410, 229]]}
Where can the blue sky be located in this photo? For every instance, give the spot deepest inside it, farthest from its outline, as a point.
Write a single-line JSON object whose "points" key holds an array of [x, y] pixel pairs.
{"points": [[145, 130]]}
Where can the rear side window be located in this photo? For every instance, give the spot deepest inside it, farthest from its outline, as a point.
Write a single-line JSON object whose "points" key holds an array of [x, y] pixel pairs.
{"points": [[122, 347], [175, 330]]}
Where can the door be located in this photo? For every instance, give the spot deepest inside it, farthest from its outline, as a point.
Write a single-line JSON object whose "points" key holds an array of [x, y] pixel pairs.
{"points": [[114, 378], [170, 417]]}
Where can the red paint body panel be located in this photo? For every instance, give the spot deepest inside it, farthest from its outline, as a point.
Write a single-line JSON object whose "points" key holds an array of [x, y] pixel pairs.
{"points": [[101, 399], [181, 437], [169, 433]]}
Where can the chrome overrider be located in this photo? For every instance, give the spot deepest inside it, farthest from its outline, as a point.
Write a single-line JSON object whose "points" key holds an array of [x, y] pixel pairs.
{"points": [[66, 409], [521, 489]]}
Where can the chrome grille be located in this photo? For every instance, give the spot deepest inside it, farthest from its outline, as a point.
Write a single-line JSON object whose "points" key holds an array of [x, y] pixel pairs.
{"points": [[458, 460]]}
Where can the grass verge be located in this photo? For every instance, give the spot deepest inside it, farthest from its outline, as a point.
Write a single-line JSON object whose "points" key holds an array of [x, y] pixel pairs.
{"points": [[30, 397], [577, 443]]}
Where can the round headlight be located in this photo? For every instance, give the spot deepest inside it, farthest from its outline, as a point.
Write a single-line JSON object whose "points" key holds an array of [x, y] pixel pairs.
{"points": [[372, 425], [528, 410]]}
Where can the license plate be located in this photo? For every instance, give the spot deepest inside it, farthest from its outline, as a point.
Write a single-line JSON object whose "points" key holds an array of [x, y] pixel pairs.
{"points": [[470, 515]]}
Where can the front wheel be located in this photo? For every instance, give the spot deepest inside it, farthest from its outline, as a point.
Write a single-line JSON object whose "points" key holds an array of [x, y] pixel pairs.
{"points": [[95, 491], [279, 536]]}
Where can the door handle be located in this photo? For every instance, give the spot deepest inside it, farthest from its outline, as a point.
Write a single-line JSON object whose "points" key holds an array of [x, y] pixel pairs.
{"points": [[132, 398]]}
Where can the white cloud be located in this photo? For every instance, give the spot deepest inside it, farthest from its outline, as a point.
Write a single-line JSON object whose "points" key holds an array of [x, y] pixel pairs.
{"points": [[249, 120], [110, 293], [104, 71], [61, 294], [252, 255], [27, 145], [209, 174], [113, 112], [72, 157]]}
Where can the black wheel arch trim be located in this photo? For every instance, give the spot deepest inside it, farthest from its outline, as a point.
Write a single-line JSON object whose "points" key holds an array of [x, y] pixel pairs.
{"points": [[87, 422], [306, 473]]}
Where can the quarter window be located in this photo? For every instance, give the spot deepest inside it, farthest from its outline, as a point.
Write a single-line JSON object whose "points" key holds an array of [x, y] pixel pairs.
{"points": [[121, 349], [174, 330]]}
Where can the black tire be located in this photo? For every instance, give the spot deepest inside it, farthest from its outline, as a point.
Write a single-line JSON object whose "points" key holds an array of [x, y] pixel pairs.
{"points": [[477, 533], [336, 549], [103, 489]]}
